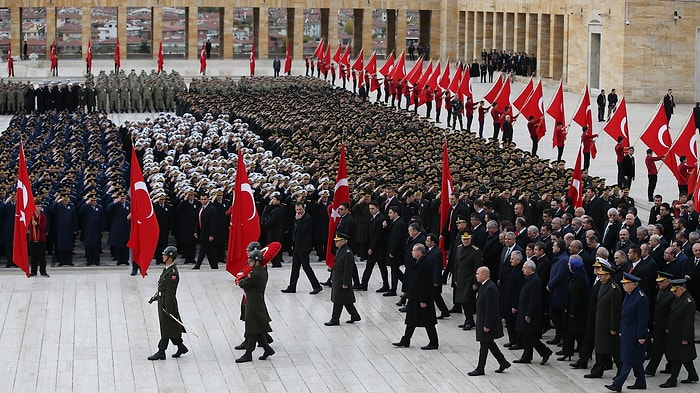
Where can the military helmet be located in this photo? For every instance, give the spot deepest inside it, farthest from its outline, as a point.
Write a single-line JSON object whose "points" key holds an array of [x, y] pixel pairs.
{"points": [[170, 251], [253, 246], [256, 255]]}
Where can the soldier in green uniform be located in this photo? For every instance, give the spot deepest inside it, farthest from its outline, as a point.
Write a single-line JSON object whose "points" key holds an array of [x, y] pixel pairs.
{"points": [[680, 349], [124, 97], [257, 319], [102, 97], [170, 329], [11, 99], [159, 96], [664, 301], [468, 258], [147, 94], [342, 293], [113, 97]]}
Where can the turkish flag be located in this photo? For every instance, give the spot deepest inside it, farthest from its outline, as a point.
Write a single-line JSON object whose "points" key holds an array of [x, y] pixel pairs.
{"points": [[88, 58], [245, 222], [696, 191], [456, 78], [524, 95], [445, 192], [556, 108], [399, 70], [430, 85], [160, 57], [503, 97], [576, 186], [203, 60], [338, 53], [415, 72], [358, 66], [388, 65], [288, 59], [345, 60], [10, 63], [617, 125], [252, 60], [444, 82], [341, 194], [534, 106], [144, 224], [658, 138], [686, 143], [117, 56], [425, 75], [54, 58], [491, 95], [24, 211], [465, 87], [319, 49], [583, 117]]}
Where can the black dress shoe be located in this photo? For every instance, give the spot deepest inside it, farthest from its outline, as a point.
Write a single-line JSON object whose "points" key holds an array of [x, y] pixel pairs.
{"points": [[614, 388], [382, 289], [45, 275], [332, 323], [181, 350], [429, 347], [522, 361], [389, 293], [559, 353], [354, 319], [665, 371], [468, 326], [649, 373], [475, 373], [316, 291], [276, 265], [456, 309], [401, 302], [507, 345], [401, 344], [515, 347], [245, 358], [197, 268], [579, 366], [242, 345], [564, 358], [666, 385], [444, 315], [503, 368], [689, 380], [402, 309], [545, 358], [552, 341], [288, 290], [636, 387], [160, 355], [593, 376], [359, 287], [327, 283], [268, 352]]}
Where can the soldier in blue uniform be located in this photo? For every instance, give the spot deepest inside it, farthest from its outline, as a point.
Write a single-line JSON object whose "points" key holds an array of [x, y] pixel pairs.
{"points": [[634, 323], [91, 217], [64, 214], [119, 214]]}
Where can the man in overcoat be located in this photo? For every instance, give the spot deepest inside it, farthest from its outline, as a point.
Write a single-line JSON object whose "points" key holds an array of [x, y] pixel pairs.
{"points": [[257, 319], [341, 291], [680, 348], [529, 316]]}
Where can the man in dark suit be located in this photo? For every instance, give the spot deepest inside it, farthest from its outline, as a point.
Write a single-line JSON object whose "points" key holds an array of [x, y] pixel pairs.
{"points": [[415, 236], [669, 104], [302, 247], [207, 225], [488, 322], [376, 249], [223, 221], [449, 227], [628, 170], [680, 350], [164, 216], [595, 209], [492, 248], [529, 315], [608, 300], [611, 231], [187, 212], [420, 310], [479, 234], [272, 223], [692, 275], [434, 257], [395, 245], [118, 212]]}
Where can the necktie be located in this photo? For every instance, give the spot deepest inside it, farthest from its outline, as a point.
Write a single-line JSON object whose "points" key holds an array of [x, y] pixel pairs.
{"points": [[697, 260], [200, 216], [631, 268]]}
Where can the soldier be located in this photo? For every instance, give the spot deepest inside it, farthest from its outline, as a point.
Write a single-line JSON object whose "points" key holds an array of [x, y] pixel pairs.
{"points": [[102, 98], [680, 350], [147, 97], [159, 95], [91, 97], [11, 99], [607, 323], [135, 91], [91, 218], [168, 313], [118, 215], [170, 98], [662, 310], [113, 98], [468, 258], [123, 97], [342, 292], [64, 215]]}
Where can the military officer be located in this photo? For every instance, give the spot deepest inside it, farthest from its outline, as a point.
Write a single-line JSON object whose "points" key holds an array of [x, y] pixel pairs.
{"points": [[166, 296], [607, 322], [468, 258], [662, 309], [680, 348], [92, 219], [257, 319], [633, 334], [341, 292]]}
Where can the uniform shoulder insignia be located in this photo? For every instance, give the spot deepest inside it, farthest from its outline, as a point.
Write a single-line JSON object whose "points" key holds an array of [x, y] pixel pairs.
{"points": [[475, 248], [174, 277], [689, 301], [613, 285], [641, 294], [347, 251]]}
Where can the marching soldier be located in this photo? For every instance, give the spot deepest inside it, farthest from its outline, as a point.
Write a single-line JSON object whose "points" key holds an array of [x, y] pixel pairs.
{"points": [[170, 328], [680, 348]]}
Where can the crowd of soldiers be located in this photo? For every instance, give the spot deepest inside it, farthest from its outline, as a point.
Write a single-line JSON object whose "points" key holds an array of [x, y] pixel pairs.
{"points": [[122, 93]]}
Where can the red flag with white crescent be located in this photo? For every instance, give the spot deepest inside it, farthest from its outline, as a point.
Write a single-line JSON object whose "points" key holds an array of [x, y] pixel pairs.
{"points": [[576, 186], [24, 211], [245, 222], [287, 60], [583, 116], [684, 145], [143, 238], [524, 95], [617, 125], [341, 194], [491, 95], [160, 57], [445, 78], [319, 49], [88, 58], [252, 60], [388, 65], [203, 59], [658, 138], [117, 56], [534, 106], [556, 108], [445, 192], [503, 97], [456, 79]]}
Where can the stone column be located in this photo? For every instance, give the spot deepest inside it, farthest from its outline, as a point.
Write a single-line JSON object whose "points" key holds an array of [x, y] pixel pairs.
{"points": [[359, 31], [498, 31], [324, 25], [400, 30], [332, 28], [260, 28], [470, 36], [488, 31], [121, 31], [193, 44], [17, 42], [479, 41], [226, 32], [50, 29], [298, 41], [156, 32], [391, 32]]}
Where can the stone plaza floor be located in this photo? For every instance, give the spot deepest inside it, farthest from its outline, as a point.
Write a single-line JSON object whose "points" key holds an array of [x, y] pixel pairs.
{"points": [[90, 329]]}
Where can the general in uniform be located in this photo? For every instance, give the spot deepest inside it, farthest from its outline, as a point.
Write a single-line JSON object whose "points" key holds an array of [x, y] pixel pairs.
{"points": [[680, 349], [341, 291]]}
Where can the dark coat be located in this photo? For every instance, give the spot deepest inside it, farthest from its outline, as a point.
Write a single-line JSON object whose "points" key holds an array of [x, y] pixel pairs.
{"points": [[92, 225], [509, 287], [607, 318], [559, 281], [662, 310], [530, 305], [7, 230], [362, 217], [577, 304], [376, 236], [164, 216], [420, 290], [434, 258], [187, 218], [396, 242], [346, 225], [222, 221], [467, 260], [209, 223], [492, 253], [320, 217], [272, 222], [302, 234], [66, 220], [487, 314], [119, 224], [257, 319], [633, 326], [681, 326], [167, 303], [342, 275]]}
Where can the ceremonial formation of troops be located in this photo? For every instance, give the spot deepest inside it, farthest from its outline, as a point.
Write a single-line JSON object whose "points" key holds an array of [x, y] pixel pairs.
{"points": [[553, 266]]}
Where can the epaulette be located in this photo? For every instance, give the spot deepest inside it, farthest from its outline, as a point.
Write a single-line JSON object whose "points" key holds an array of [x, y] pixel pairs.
{"points": [[475, 248], [641, 294], [612, 285], [689, 301]]}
